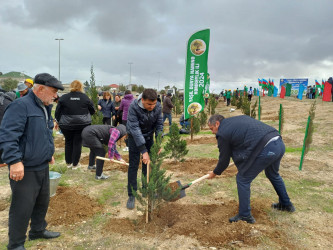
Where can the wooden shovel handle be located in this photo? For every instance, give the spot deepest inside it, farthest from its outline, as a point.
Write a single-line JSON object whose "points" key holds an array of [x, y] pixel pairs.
{"points": [[200, 179], [205, 176], [107, 159]]}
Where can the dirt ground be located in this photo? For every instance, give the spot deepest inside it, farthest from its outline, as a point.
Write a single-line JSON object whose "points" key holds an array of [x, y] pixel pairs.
{"points": [[200, 220]]}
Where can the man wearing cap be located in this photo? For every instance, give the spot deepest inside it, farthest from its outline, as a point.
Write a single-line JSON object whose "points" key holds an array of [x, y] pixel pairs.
{"points": [[27, 147], [21, 90], [29, 83]]}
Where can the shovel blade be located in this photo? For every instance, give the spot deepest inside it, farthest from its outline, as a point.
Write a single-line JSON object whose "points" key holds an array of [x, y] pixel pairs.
{"points": [[182, 193]]}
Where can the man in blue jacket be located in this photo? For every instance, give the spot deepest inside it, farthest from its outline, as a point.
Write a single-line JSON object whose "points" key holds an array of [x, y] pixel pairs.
{"points": [[253, 146], [27, 147], [143, 120]]}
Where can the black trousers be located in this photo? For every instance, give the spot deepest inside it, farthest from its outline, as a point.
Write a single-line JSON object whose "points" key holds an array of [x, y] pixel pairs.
{"points": [[117, 121], [30, 200], [124, 122], [73, 145], [107, 120], [134, 160], [249, 97], [228, 102], [99, 163]]}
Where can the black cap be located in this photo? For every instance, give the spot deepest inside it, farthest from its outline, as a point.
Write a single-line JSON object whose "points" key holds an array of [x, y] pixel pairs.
{"points": [[48, 80]]}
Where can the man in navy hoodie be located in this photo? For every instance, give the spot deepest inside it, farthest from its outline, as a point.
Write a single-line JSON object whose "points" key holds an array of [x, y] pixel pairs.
{"points": [[27, 147], [253, 146], [143, 121]]}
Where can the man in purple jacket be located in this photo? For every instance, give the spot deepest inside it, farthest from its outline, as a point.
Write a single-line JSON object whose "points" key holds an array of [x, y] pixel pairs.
{"points": [[124, 105]]}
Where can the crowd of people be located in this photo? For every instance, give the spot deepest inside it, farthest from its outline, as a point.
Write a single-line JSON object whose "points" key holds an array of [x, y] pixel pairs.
{"points": [[26, 145]]}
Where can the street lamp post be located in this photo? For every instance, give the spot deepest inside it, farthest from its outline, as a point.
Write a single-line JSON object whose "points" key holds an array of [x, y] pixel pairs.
{"points": [[59, 39], [158, 82], [130, 78]]}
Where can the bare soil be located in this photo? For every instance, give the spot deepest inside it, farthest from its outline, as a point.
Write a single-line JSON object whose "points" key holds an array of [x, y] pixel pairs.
{"points": [[70, 205], [197, 166], [208, 224], [201, 140]]}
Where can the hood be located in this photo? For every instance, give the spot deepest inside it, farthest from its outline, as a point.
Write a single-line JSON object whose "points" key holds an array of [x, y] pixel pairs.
{"points": [[122, 130], [129, 97], [8, 95]]}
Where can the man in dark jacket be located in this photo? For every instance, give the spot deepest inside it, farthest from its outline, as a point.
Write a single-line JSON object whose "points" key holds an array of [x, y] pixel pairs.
{"points": [[143, 120], [27, 144], [5, 99], [167, 108], [253, 146]]}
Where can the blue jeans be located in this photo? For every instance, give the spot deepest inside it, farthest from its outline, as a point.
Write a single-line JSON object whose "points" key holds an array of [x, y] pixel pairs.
{"points": [[268, 160], [185, 124], [165, 115]]}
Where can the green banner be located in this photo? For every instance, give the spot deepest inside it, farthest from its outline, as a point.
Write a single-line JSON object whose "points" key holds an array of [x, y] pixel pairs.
{"points": [[196, 72]]}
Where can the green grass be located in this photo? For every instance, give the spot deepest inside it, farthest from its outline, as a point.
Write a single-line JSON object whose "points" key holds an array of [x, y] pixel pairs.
{"points": [[317, 198], [291, 150], [205, 189], [59, 156], [105, 196], [115, 203], [203, 151]]}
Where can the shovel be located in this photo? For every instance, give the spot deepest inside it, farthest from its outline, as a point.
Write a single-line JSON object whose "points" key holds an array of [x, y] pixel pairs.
{"points": [[177, 184], [107, 159]]}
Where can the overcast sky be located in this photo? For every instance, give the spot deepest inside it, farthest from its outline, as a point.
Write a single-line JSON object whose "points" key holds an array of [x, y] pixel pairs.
{"points": [[250, 39]]}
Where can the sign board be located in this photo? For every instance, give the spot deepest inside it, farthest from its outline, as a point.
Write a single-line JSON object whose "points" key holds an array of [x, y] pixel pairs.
{"points": [[295, 83]]}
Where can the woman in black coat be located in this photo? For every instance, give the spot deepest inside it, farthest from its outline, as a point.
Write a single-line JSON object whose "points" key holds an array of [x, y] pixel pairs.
{"points": [[73, 114], [94, 137]]}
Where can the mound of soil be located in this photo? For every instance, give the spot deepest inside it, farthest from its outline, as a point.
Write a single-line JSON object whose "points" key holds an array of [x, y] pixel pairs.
{"points": [[70, 206], [207, 223], [197, 166], [202, 140]]}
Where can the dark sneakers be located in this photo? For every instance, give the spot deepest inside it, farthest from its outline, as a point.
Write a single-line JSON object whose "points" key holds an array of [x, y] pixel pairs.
{"points": [[92, 167], [289, 208], [44, 235], [130, 202], [249, 219]]}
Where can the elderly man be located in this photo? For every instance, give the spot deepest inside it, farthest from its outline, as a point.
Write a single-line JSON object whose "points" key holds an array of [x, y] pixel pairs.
{"points": [[27, 145], [253, 146]]}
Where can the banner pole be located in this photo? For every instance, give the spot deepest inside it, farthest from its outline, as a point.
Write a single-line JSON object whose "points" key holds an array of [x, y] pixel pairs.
{"points": [[192, 128], [280, 118], [303, 150], [259, 109]]}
